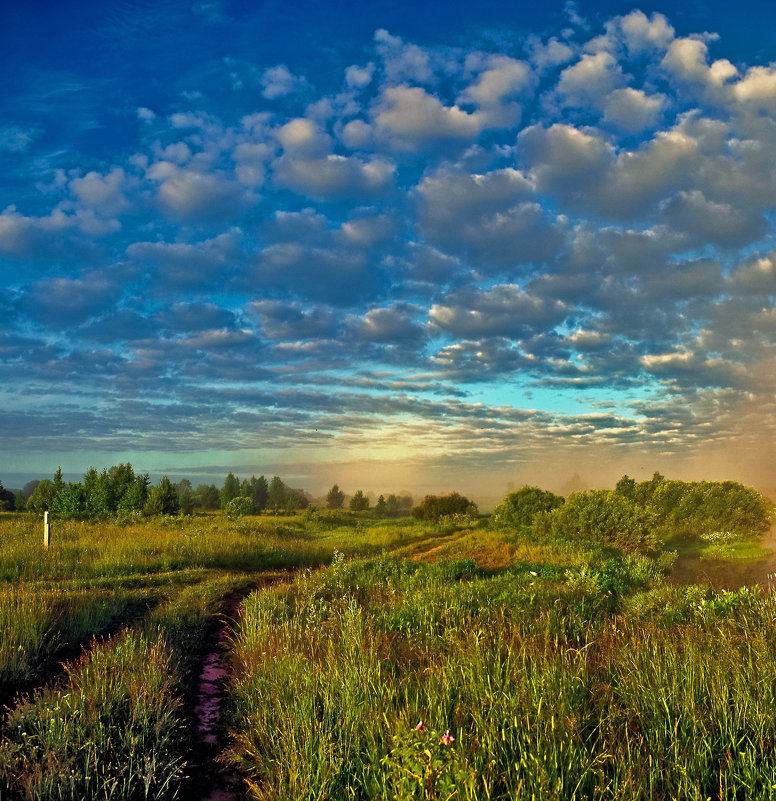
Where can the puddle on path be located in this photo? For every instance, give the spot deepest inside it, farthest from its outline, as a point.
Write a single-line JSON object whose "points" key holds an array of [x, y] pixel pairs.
{"points": [[723, 574]]}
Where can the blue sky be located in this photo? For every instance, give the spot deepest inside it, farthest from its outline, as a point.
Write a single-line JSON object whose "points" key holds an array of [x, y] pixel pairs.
{"points": [[392, 245]]}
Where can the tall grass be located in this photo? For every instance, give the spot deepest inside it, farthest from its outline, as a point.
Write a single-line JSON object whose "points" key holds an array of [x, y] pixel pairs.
{"points": [[115, 731], [553, 687]]}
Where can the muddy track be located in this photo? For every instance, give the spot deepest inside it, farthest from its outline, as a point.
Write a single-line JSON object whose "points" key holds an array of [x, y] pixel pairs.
{"points": [[211, 778]]}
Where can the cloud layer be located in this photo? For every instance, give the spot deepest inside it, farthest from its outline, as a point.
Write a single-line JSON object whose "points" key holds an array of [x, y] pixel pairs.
{"points": [[560, 246]]}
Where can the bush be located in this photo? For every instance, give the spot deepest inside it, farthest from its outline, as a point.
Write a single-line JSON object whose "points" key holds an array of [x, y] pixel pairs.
{"points": [[433, 507], [518, 509], [239, 507], [603, 517]]}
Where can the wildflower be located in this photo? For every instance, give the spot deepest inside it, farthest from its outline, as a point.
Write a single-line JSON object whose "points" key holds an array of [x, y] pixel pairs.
{"points": [[447, 738], [419, 726], [533, 573]]}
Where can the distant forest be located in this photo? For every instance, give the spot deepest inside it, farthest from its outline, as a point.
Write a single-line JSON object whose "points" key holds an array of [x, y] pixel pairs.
{"points": [[633, 516]]}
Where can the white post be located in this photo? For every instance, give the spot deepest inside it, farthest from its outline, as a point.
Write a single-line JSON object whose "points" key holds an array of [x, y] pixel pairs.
{"points": [[46, 530]]}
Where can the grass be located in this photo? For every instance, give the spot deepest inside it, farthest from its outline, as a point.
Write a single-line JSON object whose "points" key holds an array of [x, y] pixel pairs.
{"points": [[94, 732], [536, 670], [551, 687], [115, 730]]}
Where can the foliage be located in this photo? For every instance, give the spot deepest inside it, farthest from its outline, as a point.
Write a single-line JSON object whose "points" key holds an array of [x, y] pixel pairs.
{"points": [[358, 502], [162, 499], [42, 497], [238, 507], [207, 496], [231, 489], [335, 498], [603, 517], [518, 509], [433, 507], [7, 499]]}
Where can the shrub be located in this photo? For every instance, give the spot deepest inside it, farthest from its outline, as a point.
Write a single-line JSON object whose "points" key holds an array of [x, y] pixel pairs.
{"points": [[603, 517], [238, 507], [433, 507], [518, 509]]}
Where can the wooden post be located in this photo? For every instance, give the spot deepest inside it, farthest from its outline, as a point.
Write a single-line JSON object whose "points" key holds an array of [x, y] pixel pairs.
{"points": [[46, 530]]}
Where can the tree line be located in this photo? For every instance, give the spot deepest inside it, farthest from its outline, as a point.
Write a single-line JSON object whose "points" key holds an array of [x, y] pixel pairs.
{"points": [[638, 516]]}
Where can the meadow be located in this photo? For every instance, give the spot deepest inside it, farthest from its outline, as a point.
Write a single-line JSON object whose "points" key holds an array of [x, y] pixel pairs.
{"points": [[379, 659]]}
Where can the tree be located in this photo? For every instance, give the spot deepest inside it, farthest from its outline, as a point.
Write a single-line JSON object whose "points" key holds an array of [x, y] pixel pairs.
{"points": [[237, 507], [186, 497], [29, 488], [7, 499], [122, 477], [136, 495], [70, 501], [100, 498], [41, 498], [381, 507], [162, 499], [207, 496], [604, 517], [626, 486], [259, 492], [433, 507], [20, 502], [231, 489], [359, 502], [335, 498], [276, 494], [392, 506], [518, 509]]}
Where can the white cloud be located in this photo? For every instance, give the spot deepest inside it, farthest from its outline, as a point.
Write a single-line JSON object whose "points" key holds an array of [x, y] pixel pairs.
{"points": [[503, 310], [706, 221], [279, 81], [643, 34], [407, 117], [357, 77], [193, 196], [15, 139], [547, 54], [501, 79], [304, 137], [102, 193], [757, 88], [402, 62], [632, 110], [334, 176], [392, 324], [590, 80]]}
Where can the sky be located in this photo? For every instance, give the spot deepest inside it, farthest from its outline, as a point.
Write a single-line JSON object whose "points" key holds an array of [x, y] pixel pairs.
{"points": [[424, 246]]}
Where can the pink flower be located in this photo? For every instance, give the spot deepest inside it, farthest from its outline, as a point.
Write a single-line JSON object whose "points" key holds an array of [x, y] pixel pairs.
{"points": [[419, 726], [447, 738]]}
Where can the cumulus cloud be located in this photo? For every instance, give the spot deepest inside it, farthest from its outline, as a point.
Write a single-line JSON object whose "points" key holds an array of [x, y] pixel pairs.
{"points": [[334, 176], [590, 80], [279, 81], [193, 196], [504, 310], [594, 218], [394, 324], [632, 110], [407, 117]]}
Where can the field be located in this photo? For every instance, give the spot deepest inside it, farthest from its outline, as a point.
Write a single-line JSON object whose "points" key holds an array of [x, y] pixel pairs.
{"points": [[374, 659]]}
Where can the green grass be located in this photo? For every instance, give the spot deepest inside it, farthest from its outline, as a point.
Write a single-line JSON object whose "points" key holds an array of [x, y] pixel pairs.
{"points": [[115, 730], [538, 670], [552, 686]]}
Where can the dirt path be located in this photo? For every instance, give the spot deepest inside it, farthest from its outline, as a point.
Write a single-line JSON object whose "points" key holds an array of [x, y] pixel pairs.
{"points": [[211, 777]]}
